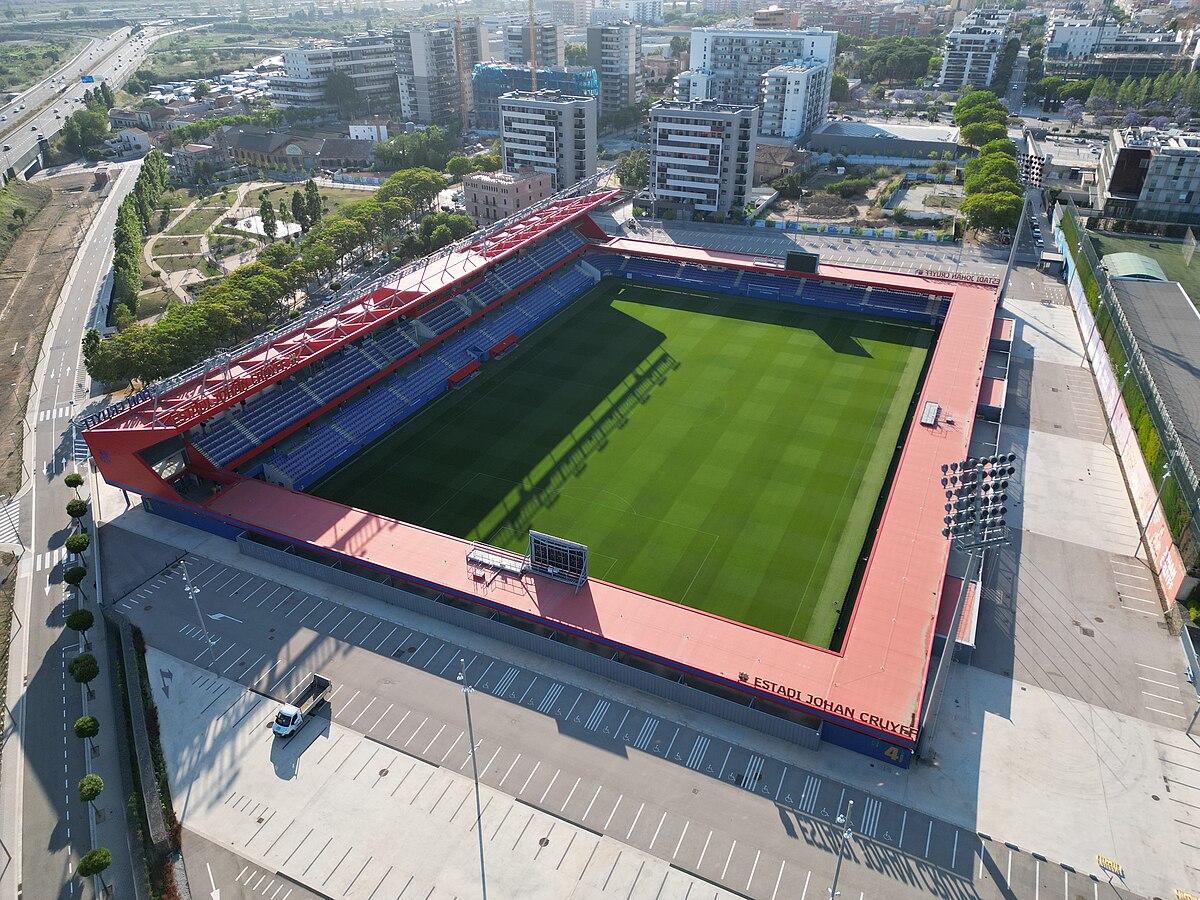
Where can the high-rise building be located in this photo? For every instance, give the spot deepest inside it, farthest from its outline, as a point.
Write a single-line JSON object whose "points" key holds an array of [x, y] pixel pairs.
{"points": [[702, 156], [547, 36], [491, 80], [427, 72], [1150, 175], [973, 49], [571, 12], [615, 52], [547, 131], [649, 12], [369, 60], [749, 66], [795, 100]]}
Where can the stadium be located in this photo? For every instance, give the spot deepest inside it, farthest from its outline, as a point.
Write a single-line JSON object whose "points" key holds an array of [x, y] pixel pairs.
{"points": [[709, 475]]}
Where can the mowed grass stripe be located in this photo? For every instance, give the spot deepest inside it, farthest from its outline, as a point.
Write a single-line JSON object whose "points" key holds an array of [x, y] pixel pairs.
{"points": [[721, 452]]}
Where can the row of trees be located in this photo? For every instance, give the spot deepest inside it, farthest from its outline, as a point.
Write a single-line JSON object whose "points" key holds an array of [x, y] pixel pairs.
{"points": [[133, 224], [198, 131], [981, 117], [993, 194], [1173, 95], [261, 295]]}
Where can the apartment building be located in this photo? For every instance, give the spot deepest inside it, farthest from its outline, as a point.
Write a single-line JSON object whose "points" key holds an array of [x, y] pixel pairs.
{"points": [[492, 196], [791, 70], [1151, 176], [490, 81], [648, 12], [572, 13], [615, 52], [427, 72], [1091, 48], [701, 157], [776, 17], [547, 38], [369, 59], [547, 131], [973, 49]]}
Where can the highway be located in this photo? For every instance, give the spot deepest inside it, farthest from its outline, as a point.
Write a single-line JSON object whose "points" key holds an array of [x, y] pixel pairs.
{"points": [[44, 827], [114, 59]]}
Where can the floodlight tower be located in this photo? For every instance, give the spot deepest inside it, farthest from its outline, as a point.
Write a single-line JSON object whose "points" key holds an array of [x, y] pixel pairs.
{"points": [[976, 497]]}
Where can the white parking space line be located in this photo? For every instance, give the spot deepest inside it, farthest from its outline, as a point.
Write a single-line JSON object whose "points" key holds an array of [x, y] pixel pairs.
{"points": [[1154, 668]]}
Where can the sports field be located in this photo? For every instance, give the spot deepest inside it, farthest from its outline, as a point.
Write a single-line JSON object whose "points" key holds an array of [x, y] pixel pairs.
{"points": [[1169, 253], [720, 452]]}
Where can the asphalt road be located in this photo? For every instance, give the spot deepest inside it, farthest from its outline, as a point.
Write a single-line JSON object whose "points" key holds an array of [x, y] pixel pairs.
{"points": [[44, 824], [735, 817], [113, 59]]}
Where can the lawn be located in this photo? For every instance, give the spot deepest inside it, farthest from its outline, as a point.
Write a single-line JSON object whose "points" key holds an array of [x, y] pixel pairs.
{"points": [[720, 452], [200, 219], [165, 246], [332, 199], [1169, 254]]}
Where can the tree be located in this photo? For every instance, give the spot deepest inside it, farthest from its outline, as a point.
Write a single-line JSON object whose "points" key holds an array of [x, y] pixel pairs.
{"points": [[74, 576], [284, 214], [200, 90], [270, 225], [312, 202], [342, 92], [77, 509], [839, 88], [94, 862], [1073, 111], [81, 620], [457, 167], [78, 543], [680, 43], [83, 668], [299, 210], [1004, 145], [87, 727], [575, 54], [90, 787], [980, 133], [19, 213], [993, 212], [420, 185], [74, 480], [633, 170]]}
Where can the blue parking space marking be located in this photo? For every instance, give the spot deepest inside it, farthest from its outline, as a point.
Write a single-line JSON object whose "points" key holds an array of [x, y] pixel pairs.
{"points": [[597, 715], [696, 756], [549, 698], [506, 680]]}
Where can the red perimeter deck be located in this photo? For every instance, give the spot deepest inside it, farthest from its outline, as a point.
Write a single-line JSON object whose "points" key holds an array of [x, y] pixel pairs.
{"points": [[874, 685]]}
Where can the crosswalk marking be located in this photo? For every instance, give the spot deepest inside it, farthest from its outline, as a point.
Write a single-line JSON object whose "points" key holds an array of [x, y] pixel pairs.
{"points": [[870, 820], [698, 750], [647, 732], [597, 716], [812, 788], [49, 415], [548, 700], [51, 559], [10, 521]]}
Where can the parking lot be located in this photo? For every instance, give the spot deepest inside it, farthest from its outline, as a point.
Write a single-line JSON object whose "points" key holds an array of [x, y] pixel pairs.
{"points": [[735, 817]]}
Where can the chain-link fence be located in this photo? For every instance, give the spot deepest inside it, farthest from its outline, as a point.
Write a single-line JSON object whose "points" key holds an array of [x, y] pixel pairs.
{"points": [[1162, 447]]}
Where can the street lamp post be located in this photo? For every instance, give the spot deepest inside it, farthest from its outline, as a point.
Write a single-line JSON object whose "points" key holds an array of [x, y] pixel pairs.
{"points": [[467, 689], [846, 824], [193, 592]]}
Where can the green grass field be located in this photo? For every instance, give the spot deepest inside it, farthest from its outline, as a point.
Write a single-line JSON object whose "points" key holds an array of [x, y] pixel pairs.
{"points": [[1169, 254], [716, 451]]}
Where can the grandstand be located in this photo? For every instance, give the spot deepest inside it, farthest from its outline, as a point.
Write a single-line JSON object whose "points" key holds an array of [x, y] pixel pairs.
{"points": [[226, 446]]}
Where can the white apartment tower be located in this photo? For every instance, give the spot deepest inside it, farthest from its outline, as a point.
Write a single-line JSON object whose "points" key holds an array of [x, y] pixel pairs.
{"points": [[369, 59], [427, 72], [973, 49], [548, 131], [702, 156], [615, 52], [788, 71]]}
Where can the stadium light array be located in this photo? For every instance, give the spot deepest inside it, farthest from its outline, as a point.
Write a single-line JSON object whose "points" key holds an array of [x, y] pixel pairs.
{"points": [[976, 498]]}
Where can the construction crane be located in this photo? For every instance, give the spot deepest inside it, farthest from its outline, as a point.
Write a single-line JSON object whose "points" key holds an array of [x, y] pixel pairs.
{"points": [[463, 84], [532, 48]]}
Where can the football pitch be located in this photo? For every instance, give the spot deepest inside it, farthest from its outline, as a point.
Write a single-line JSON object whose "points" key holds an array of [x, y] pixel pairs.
{"points": [[721, 452]]}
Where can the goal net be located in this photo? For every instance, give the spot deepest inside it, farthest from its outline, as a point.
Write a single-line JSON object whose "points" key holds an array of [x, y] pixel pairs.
{"points": [[1189, 247]]}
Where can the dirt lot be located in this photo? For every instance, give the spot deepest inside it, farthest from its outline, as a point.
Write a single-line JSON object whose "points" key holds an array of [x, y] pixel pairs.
{"points": [[31, 278], [819, 204]]}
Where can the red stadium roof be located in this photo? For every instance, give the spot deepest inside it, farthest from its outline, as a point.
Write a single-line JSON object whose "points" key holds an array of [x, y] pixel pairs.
{"points": [[177, 407], [874, 684]]}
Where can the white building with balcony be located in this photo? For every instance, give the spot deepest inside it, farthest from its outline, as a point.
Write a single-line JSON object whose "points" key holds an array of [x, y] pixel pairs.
{"points": [[547, 131]]}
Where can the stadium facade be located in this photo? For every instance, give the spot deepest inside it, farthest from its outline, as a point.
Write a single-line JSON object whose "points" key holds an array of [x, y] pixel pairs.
{"points": [[230, 445]]}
